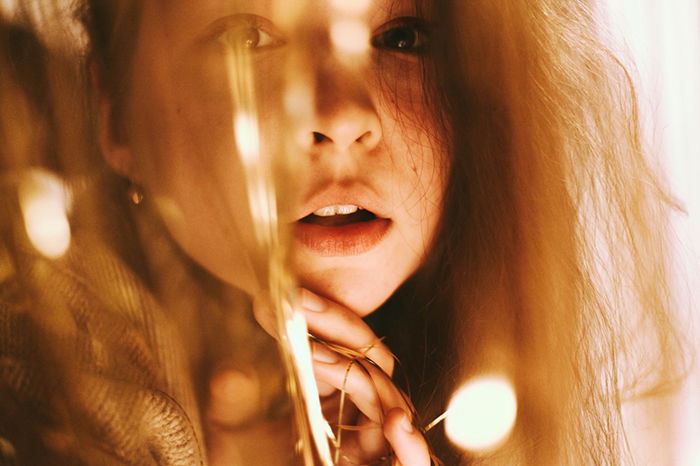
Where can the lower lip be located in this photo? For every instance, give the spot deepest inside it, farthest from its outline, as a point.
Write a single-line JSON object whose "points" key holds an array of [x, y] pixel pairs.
{"points": [[347, 240]]}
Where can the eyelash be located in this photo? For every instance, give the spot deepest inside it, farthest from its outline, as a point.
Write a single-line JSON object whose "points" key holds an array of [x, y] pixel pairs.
{"points": [[414, 43], [405, 35], [248, 32]]}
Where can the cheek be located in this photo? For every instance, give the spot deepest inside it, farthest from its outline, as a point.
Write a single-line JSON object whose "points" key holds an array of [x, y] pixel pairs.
{"points": [[182, 135], [419, 156], [182, 132], [182, 123]]}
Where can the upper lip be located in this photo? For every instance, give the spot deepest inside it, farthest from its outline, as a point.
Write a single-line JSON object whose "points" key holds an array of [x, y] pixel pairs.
{"points": [[353, 194]]}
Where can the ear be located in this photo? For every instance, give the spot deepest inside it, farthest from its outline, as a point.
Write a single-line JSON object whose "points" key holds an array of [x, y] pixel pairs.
{"points": [[115, 149]]}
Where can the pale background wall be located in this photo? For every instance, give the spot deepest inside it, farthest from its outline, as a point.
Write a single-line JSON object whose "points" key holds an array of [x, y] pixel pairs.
{"points": [[664, 39]]}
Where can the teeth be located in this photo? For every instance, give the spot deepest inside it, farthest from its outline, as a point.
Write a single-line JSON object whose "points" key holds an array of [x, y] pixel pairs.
{"points": [[332, 210], [346, 209], [325, 211]]}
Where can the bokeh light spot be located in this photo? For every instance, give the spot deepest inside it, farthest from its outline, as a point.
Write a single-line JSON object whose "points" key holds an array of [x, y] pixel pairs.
{"points": [[350, 36], [482, 413], [351, 7], [44, 203], [9, 7], [247, 137]]}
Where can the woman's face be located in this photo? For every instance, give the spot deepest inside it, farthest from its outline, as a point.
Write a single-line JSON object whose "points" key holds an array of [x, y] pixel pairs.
{"points": [[366, 142]]}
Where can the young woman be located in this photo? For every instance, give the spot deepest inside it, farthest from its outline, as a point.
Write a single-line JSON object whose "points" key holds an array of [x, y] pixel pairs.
{"points": [[472, 198]]}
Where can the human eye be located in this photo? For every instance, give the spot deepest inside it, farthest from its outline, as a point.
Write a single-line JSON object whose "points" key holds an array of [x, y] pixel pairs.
{"points": [[407, 35], [247, 33]]}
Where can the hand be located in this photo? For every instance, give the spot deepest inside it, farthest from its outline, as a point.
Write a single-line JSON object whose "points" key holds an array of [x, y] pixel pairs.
{"points": [[381, 413]]}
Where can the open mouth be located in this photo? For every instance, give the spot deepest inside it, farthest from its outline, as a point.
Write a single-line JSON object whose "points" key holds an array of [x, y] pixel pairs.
{"points": [[341, 230], [338, 216]]}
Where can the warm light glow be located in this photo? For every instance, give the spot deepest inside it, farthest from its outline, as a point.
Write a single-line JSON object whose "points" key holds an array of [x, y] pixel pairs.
{"points": [[664, 41], [696, 460], [350, 36], [298, 340], [247, 137], [482, 413], [44, 203], [297, 99], [351, 7]]}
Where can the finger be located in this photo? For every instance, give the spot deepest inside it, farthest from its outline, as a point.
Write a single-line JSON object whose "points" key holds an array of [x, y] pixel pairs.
{"points": [[338, 324], [344, 375], [410, 448], [348, 416], [370, 441], [325, 390], [366, 446], [368, 387], [332, 322]]}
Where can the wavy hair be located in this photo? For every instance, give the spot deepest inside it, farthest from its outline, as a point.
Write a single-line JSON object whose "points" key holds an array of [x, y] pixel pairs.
{"points": [[550, 262], [550, 265]]}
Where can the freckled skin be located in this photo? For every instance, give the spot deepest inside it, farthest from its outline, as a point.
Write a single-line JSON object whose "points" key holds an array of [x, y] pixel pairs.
{"points": [[377, 134]]}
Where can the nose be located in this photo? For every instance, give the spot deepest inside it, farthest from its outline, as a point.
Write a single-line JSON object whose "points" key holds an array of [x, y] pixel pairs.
{"points": [[345, 117]]}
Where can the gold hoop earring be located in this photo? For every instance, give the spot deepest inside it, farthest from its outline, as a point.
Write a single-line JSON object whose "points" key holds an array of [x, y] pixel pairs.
{"points": [[135, 194]]}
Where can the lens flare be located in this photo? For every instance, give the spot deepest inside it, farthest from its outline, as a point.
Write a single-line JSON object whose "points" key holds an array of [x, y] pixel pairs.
{"points": [[247, 136], [297, 99], [44, 202], [298, 339], [350, 36], [351, 7], [482, 413]]}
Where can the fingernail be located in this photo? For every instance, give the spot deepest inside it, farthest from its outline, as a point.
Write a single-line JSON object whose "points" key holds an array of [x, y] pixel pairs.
{"points": [[312, 302], [406, 424], [323, 354]]}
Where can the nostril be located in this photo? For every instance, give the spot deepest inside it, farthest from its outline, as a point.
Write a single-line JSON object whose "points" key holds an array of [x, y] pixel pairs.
{"points": [[365, 137], [319, 138]]}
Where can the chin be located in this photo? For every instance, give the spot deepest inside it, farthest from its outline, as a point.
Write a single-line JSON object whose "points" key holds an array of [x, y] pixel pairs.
{"points": [[361, 297]]}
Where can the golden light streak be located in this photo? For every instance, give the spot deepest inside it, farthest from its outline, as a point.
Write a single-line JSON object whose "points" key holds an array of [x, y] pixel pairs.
{"points": [[258, 179], [247, 136], [44, 203], [482, 413], [298, 337], [262, 192], [350, 36]]}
